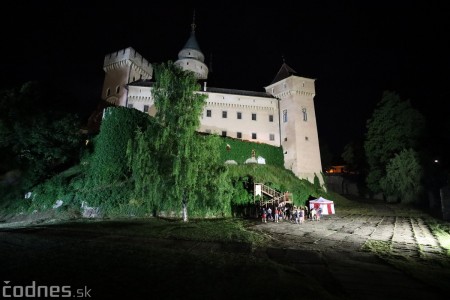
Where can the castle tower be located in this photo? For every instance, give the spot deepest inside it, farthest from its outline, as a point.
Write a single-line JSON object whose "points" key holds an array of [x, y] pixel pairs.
{"points": [[121, 68], [191, 58], [298, 129]]}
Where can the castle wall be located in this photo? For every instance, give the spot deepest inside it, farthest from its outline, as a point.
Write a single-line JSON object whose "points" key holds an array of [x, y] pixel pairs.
{"points": [[140, 97], [283, 116], [224, 109], [131, 55]]}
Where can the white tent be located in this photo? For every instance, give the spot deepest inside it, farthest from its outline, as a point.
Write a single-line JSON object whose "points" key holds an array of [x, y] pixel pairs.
{"points": [[327, 205]]}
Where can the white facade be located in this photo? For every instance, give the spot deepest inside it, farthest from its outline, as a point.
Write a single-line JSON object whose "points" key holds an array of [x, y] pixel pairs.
{"points": [[283, 115]]}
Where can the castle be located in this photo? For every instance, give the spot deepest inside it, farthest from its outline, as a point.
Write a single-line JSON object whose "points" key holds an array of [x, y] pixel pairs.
{"points": [[283, 115]]}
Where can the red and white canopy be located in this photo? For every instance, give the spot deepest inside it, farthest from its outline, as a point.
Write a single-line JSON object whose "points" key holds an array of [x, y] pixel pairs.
{"points": [[327, 205]]}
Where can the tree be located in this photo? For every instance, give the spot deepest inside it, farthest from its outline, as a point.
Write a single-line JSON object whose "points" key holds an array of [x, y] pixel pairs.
{"points": [[403, 176], [37, 133], [394, 126], [174, 166]]}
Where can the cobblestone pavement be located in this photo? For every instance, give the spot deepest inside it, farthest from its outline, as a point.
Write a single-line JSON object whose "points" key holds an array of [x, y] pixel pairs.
{"points": [[336, 241]]}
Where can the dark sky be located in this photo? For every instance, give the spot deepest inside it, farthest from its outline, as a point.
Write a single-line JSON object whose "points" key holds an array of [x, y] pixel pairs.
{"points": [[354, 49]]}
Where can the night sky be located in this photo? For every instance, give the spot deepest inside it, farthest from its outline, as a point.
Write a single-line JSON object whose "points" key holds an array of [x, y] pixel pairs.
{"points": [[354, 49]]}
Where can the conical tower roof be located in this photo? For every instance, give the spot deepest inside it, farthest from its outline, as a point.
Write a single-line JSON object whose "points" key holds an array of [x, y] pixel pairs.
{"points": [[284, 72], [192, 41]]}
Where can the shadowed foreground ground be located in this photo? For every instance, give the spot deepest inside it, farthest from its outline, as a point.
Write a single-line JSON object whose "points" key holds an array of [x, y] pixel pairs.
{"points": [[315, 260]]}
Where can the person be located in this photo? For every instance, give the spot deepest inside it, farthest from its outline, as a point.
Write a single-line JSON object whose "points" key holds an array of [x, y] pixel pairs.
{"points": [[301, 217], [296, 215], [319, 214], [277, 214], [264, 215], [313, 214], [269, 213]]}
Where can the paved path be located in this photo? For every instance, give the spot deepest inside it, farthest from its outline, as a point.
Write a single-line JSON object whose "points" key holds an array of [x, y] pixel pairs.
{"points": [[337, 243], [330, 250]]}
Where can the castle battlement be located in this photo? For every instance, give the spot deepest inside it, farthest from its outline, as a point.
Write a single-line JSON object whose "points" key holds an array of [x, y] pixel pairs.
{"points": [[120, 57]]}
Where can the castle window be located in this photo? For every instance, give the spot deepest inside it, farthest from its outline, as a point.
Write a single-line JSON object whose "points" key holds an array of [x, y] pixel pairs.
{"points": [[239, 115], [134, 78], [208, 113], [130, 105], [254, 117], [224, 114], [253, 136], [270, 118], [239, 135], [224, 133], [146, 108], [305, 114], [108, 92], [285, 139], [272, 137], [306, 138], [117, 89], [285, 118]]}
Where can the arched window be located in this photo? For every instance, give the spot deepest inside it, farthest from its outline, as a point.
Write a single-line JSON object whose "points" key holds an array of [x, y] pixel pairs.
{"points": [[108, 92]]}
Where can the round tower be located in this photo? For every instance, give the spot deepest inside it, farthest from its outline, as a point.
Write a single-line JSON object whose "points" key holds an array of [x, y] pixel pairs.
{"points": [[191, 58]]}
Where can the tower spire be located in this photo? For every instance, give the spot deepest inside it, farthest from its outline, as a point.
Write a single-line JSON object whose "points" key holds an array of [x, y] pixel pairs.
{"points": [[193, 22]]}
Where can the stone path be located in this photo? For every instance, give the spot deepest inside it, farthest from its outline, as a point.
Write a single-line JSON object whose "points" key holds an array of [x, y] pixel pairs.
{"points": [[337, 242], [330, 251]]}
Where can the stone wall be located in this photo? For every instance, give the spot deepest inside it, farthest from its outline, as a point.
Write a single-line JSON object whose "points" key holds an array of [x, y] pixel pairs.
{"points": [[342, 185]]}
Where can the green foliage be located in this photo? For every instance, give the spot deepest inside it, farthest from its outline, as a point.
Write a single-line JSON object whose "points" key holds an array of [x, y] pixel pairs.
{"points": [[108, 163], [45, 195], [394, 126], [37, 134], [403, 176], [278, 178], [240, 151], [169, 160]]}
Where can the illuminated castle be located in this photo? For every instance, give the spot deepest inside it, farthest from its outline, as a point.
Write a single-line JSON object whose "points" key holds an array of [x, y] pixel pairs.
{"points": [[282, 115]]}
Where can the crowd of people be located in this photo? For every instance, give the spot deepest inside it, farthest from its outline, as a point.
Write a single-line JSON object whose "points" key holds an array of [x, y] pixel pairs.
{"points": [[293, 214]]}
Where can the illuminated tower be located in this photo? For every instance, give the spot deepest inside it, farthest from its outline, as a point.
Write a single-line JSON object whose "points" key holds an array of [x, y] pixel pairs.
{"points": [[298, 129], [121, 68], [191, 57]]}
